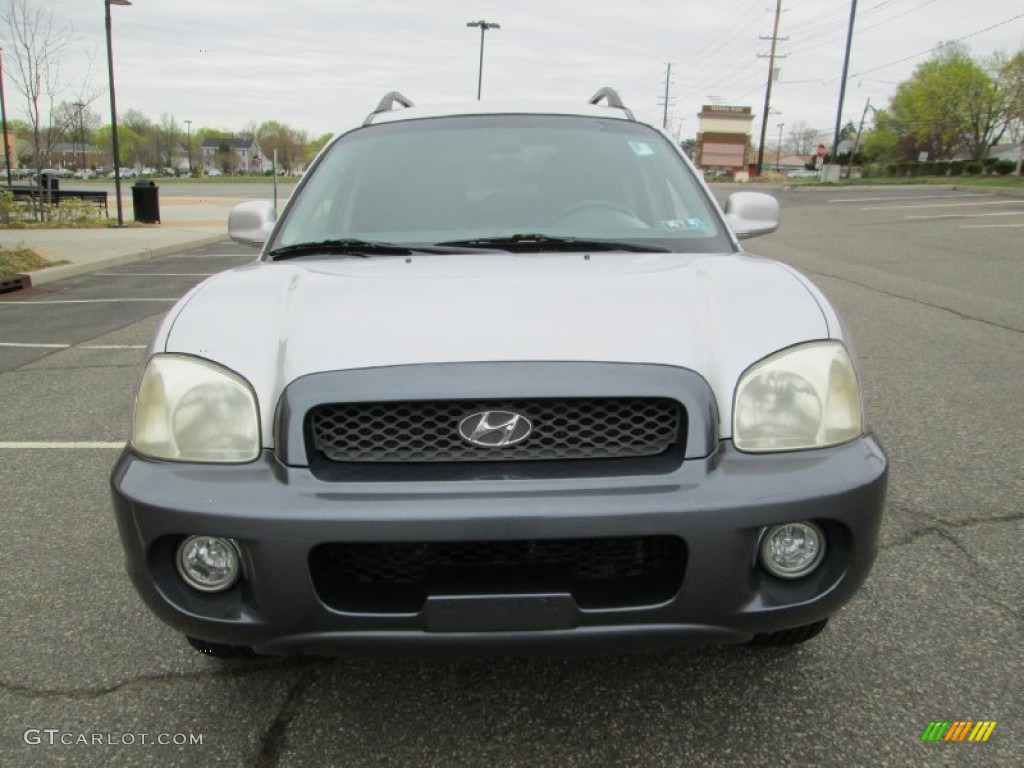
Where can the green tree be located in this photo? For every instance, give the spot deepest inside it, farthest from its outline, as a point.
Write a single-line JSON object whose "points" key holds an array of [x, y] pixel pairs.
{"points": [[313, 147], [129, 144], [289, 142], [881, 143], [225, 158], [950, 104]]}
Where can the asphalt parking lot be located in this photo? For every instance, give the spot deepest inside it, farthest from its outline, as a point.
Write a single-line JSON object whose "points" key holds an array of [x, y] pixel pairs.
{"points": [[931, 286]]}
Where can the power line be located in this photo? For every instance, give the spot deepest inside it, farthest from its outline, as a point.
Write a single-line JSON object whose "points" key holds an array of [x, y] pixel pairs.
{"points": [[940, 46], [862, 29]]}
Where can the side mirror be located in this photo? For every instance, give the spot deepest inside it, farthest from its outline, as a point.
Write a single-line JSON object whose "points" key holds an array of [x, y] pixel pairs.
{"points": [[251, 223], [751, 214]]}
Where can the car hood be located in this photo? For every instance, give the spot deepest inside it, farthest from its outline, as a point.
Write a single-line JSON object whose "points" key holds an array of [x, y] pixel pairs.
{"points": [[713, 314]]}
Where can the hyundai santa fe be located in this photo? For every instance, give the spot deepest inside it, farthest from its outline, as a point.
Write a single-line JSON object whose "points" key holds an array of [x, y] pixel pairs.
{"points": [[502, 378]]}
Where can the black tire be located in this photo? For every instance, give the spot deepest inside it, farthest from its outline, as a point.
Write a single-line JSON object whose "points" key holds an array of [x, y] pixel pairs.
{"points": [[220, 650], [793, 636]]}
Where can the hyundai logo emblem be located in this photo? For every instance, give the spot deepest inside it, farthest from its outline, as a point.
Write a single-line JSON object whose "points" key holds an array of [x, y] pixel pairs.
{"points": [[495, 429]]}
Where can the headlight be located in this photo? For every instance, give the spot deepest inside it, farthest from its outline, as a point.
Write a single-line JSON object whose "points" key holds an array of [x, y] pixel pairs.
{"points": [[804, 397], [189, 409]]}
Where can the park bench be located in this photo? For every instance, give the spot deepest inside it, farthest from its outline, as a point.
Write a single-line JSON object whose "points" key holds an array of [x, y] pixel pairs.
{"points": [[51, 196]]}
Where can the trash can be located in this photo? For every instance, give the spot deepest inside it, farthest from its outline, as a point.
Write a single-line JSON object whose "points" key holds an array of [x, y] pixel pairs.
{"points": [[146, 201], [51, 186]]}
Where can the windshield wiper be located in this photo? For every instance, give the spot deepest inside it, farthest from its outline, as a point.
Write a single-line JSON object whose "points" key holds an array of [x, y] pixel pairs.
{"points": [[540, 242], [351, 246]]}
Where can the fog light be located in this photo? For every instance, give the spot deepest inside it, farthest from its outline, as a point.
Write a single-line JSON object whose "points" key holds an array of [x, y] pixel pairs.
{"points": [[208, 563], [792, 550]]}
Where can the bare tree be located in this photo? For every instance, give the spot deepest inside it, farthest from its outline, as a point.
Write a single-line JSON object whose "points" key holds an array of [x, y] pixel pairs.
{"points": [[37, 47], [168, 132], [802, 139]]}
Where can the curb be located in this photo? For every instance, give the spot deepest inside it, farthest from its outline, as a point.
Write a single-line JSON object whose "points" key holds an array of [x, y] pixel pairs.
{"points": [[53, 274]]}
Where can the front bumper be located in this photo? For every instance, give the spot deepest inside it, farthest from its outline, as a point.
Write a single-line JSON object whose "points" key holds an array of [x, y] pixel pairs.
{"points": [[717, 506]]}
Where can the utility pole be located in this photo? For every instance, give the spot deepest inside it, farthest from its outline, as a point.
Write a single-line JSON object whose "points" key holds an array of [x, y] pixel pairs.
{"points": [[856, 141], [778, 150], [842, 90], [666, 99], [771, 76]]}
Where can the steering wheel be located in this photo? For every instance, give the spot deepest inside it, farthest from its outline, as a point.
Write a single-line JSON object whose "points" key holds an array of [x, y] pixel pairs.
{"points": [[586, 205]]}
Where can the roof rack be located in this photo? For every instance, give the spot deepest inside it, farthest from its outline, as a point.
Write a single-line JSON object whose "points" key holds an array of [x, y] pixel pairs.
{"points": [[612, 98], [387, 104]]}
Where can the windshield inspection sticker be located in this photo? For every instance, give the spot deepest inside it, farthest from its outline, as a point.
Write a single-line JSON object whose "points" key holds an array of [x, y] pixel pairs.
{"points": [[683, 225], [641, 148]]}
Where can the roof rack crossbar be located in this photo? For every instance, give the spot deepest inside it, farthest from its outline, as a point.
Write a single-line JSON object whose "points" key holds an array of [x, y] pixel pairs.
{"points": [[387, 104], [612, 98]]}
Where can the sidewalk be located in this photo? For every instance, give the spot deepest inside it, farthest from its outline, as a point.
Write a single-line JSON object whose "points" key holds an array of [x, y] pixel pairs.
{"points": [[186, 222]]}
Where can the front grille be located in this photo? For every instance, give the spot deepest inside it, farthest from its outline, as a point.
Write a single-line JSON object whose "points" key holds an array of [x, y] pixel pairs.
{"points": [[428, 431], [381, 577]]}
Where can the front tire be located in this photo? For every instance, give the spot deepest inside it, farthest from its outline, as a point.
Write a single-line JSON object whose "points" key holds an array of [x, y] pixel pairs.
{"points": [[793, 636]]}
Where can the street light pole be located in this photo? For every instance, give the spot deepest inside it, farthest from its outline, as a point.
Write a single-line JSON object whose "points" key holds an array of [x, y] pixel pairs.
{"points": [[113, 110], [188, 126], [3, 114], [484, 26]]}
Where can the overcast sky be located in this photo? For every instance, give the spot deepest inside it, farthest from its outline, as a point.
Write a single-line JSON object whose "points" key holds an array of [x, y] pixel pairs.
{"points": [[321, 65]]}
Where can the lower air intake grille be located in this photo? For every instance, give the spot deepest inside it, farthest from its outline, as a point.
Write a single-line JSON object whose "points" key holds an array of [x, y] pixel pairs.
{"points": [[398, 576]]}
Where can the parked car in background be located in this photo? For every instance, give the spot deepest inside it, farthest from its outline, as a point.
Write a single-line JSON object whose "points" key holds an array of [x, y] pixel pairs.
{"points": [[802, 173], [502, 378], [58, 173]]}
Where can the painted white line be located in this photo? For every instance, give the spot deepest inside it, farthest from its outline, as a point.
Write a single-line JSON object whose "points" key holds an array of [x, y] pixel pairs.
{"points": [[991, 226], [32, 303], [211, 255], [51, 445], [111, 346], [29, 345], [33, 346], [942, 205], [909, 197], [155, 274], [964, 215]]}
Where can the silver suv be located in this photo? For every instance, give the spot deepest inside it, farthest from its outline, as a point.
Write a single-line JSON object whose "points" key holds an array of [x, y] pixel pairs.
{"points": [[502, 377]]}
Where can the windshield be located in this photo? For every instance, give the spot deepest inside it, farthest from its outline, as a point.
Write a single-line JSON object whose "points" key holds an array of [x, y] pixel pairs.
{"points": [[494, 177]]}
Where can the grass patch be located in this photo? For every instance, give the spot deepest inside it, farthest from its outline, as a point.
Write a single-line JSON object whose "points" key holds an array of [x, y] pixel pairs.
{"points": [[14, 261]]}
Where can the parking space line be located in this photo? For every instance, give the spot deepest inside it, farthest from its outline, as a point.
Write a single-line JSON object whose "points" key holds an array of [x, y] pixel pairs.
{"points": [[942, 205], [111, 346], [155, 274], [964, 215], [909, 197], [991, 226], [31, 302], [211, 256], [32, 345], [48, 445]]}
